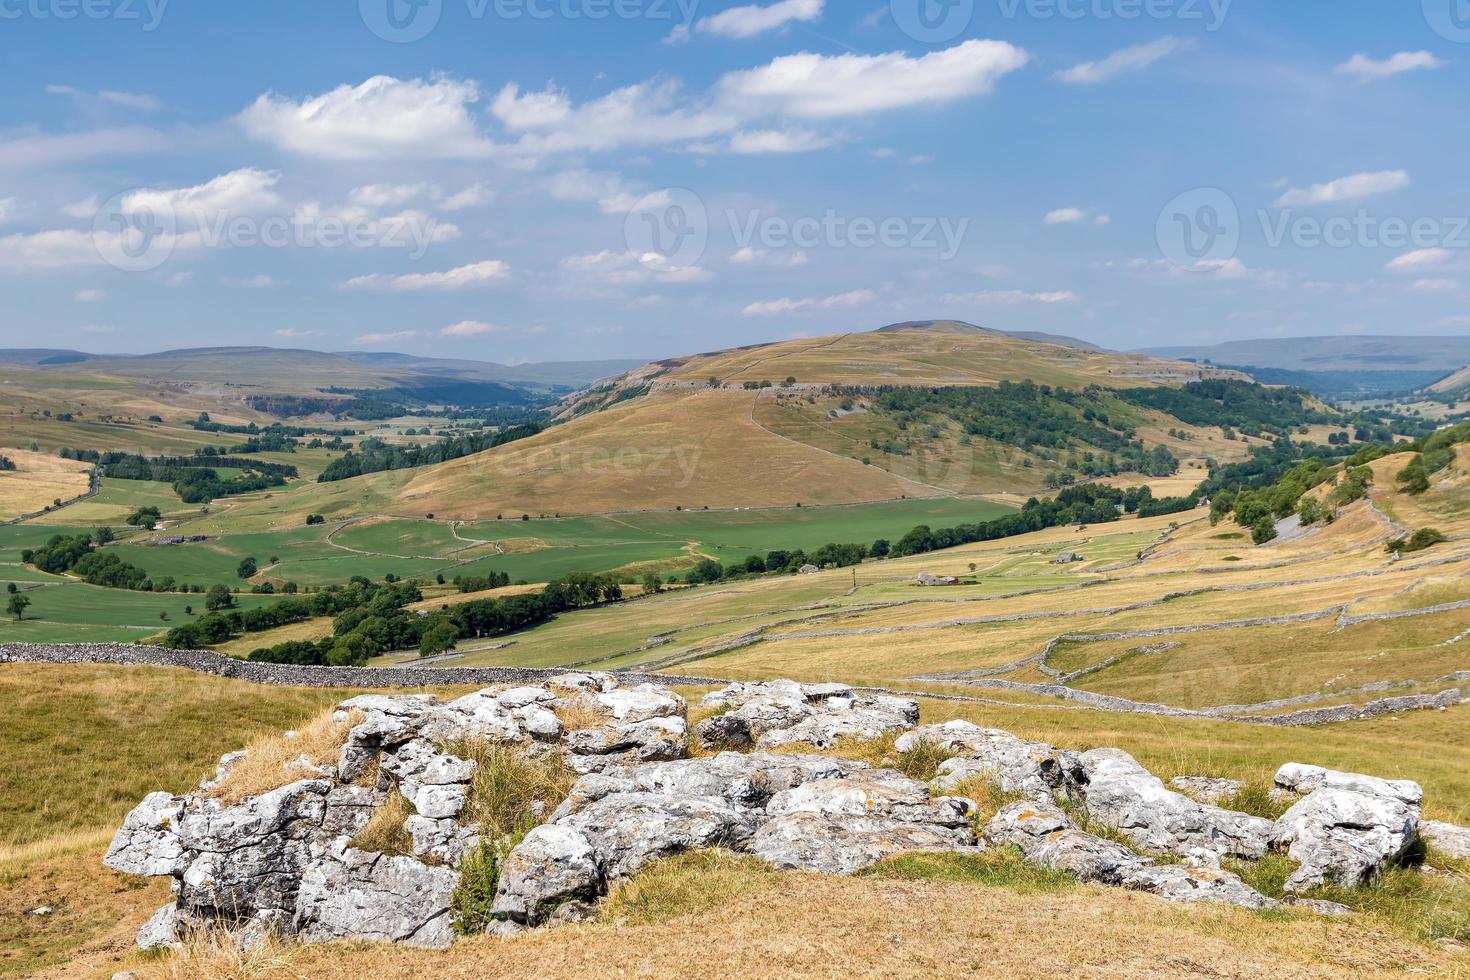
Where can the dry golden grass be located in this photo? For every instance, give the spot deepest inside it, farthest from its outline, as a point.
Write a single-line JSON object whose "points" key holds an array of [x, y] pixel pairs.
{"points": [[38, 480], [272, 760], [385, 833], [743, 921]]}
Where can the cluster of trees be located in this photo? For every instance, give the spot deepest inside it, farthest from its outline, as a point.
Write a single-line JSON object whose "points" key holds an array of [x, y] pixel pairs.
{"points": [[1420, 540], [193, 483], [1252, 408], [273, 431], [370, 619], [1038, 419], [76, 554], [375, 455], [1435, 453], [7, 465], [224, 622], [481, 583]]}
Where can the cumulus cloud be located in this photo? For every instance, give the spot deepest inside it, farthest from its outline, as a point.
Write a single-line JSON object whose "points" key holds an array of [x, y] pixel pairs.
{"points": [[382, 118], [1420, 259], [1366, 69], [1012, 297], [814, 86], [1123, 62], [629, 268], [1065, 216], [469, 328], [245, 191], [378, 339], [1353, 188], [777, 307], [740, 23], [777, 141], [477, 276]]}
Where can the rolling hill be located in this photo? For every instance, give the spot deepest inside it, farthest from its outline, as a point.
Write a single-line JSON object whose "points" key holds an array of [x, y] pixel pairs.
{"points": [[1454, 384], [810, 422]]}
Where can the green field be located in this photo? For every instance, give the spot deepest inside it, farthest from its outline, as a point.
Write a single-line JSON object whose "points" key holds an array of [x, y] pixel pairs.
{"points": [[535, 551], [64, 611]]}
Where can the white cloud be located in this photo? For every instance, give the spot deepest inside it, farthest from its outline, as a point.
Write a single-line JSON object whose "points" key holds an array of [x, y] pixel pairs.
{"points": [[469, 328], [387, 195], [479, 275], [84, 210], [1353, 188], [1435, 285], [245, 191], [1065, 216], [253, 282], [377, 339], [57, 249], [608, 190], [88, 296], [740, 23], [813, 86], [383, 118], [1424, 258], [624, 268], [1123, 62], [1012, 297], [1365, 69], [128, 100], [46, 149], [7, 208], [777, 307], [749, 255], [473, 196], [777, 141], [291, 333]]}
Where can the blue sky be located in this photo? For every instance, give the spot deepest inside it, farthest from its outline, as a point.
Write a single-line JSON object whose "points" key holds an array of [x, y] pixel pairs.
{"points": [[524, 180]]}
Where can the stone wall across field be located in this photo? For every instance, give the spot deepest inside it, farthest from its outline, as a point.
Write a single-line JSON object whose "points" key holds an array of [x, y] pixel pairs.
{"points": [[285, 675]]}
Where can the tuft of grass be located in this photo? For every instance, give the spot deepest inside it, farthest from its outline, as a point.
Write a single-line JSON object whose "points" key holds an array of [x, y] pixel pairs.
{"points": [[1267, 875], [479, 877], [1002, 867], [688, 884], [922, 762], [213, 954], [1256, 799], [385, 833], [512, 791], [269, 762], [988, 797], [578, 713]]}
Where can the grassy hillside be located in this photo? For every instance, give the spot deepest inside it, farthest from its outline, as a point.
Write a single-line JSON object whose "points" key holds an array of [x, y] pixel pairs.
{"points": [[700, 431]]}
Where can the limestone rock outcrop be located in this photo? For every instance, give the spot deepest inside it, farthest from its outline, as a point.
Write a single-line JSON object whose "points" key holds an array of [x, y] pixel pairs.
{"points": [[771, 714], [1347, 827]]}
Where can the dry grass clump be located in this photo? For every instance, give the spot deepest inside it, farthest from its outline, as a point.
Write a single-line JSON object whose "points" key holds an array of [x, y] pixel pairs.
{"points": [[578, 713], [270, 760], [385, 833], [512, 791], [214, 955], [1002, 867], [689, 884]]}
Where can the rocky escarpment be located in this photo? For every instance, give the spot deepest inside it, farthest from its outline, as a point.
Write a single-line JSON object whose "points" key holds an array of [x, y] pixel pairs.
{"points": [[291, 860]]}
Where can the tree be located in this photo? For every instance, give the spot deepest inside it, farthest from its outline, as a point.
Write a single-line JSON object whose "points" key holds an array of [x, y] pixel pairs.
{"points": [[12, 588], [17, 607], [247, 568], [652, 584], [1263, 530], [218, 598], [438, 640]]}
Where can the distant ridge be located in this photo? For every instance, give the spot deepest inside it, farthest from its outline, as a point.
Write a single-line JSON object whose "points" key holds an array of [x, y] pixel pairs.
{"points": [[1363, 353]]}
